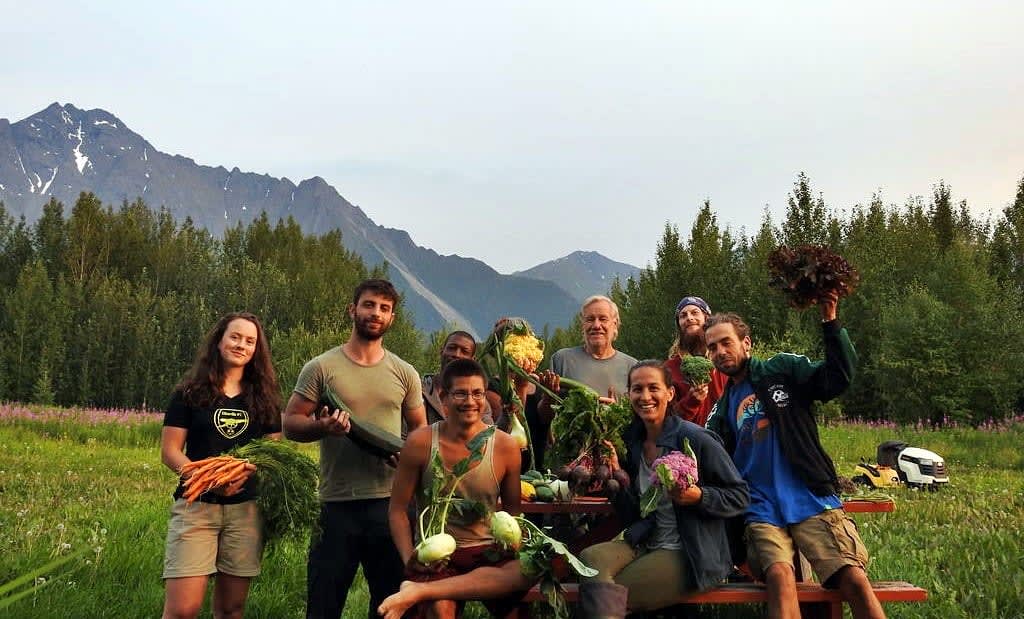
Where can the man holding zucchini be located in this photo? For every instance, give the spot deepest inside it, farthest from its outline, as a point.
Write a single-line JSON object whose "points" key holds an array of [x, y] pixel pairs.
{"points": [[372, 391]]}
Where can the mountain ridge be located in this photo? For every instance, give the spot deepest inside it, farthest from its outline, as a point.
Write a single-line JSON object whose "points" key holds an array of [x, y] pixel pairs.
{"points": [[63, 150]]}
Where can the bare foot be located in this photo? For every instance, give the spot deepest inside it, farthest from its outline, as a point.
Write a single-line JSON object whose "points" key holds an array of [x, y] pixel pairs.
{"points": [[395, 605]]}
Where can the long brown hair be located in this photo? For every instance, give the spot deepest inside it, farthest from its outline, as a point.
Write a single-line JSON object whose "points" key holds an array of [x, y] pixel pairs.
{"points": [[203, 383]]}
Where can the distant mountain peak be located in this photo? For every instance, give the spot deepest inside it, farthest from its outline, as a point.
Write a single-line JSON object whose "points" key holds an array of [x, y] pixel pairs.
{"points": [[582, 273]]}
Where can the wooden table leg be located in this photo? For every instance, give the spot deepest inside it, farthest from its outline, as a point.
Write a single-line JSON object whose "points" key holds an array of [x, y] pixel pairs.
{"points": [[821, 610]]}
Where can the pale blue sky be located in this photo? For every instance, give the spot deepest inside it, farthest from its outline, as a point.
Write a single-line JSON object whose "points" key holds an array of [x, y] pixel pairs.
{"points": [[546, 127]]}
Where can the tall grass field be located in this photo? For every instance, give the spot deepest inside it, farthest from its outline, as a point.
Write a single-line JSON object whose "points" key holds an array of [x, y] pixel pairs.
{"points": [[84, 503]]}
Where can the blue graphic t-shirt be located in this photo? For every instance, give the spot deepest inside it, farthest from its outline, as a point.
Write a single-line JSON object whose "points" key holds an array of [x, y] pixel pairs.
{"points": [[777, 495]]}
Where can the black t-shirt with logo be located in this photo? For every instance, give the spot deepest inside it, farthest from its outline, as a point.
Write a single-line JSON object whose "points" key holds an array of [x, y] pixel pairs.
{"points": [[215, 430]]}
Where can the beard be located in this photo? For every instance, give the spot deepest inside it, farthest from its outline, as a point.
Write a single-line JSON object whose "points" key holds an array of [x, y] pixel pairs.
{"points": [[692, 343], [736, 369], [366, 332]]}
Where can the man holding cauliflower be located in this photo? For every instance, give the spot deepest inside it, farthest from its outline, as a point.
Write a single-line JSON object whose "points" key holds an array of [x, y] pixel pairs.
{"points": [[767, 423]]}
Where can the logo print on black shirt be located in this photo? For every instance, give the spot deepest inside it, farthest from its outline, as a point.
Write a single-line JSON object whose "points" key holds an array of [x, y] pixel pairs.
{"points": [[230, 422]]}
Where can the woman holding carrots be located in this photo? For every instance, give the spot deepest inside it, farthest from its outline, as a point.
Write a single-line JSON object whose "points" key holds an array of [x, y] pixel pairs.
{"points": [[229, 397]]}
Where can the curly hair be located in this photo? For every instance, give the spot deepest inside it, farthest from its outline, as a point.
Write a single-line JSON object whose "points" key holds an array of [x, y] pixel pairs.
{"points": [[203, 384]]}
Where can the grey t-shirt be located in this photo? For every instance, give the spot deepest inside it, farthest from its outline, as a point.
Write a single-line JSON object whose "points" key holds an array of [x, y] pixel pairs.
{"points": [[666, 531], [376, 393], [600, 374]]}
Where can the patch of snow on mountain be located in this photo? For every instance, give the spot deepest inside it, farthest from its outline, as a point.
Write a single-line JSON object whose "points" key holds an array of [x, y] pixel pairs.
{"points": [[80, 160], [104, 122], [47, 185], [22, 165]]}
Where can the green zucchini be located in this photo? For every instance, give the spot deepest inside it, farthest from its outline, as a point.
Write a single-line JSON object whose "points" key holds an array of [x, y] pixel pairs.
{"points": [[368, 436]]}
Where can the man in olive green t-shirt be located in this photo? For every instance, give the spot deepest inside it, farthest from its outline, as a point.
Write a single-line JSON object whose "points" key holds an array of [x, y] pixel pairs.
{"points": [[378, 387]]}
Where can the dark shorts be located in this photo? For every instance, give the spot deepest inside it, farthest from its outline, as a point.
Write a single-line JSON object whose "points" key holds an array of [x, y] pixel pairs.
{"points": [[463, 561]]}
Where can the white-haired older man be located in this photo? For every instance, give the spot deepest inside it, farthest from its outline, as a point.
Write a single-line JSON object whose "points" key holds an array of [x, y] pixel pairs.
{"points": [[596, 363]]}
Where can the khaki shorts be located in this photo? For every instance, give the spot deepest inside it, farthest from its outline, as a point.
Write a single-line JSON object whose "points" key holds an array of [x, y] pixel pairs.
{"points": [[206, 538], [828, 540]]}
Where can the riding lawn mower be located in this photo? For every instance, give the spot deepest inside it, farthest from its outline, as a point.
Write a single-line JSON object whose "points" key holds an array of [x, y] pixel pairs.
{"points": [[898, 463]]}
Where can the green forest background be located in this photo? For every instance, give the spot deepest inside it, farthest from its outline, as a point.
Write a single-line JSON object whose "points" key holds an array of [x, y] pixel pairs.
{"points": [[105, 306]]}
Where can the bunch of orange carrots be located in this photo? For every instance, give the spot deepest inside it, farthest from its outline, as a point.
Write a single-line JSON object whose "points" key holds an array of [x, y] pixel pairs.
{"points": [[209, 473]]}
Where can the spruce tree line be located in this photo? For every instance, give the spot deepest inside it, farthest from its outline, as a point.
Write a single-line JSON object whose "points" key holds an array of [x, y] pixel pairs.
{"points": [[104, 307], [937, 318]]}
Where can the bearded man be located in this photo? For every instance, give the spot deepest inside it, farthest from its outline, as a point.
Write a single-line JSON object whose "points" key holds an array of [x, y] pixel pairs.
{"points": [[377, 387], [692, 402], [766, 421]]}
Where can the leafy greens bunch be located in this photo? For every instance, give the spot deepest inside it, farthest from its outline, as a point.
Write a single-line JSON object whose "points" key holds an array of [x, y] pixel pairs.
{"points": [[287, 483], [537, 554], [585, 428], [696, 369], [806, 273]]}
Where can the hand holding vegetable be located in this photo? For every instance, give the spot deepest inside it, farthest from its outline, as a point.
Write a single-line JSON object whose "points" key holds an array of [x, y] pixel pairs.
{"points": [[696, 369], [828, 304], [691, 495], [336, 423], [551, 381], [699, 392], [234, 487], [208, 474], [587, 434], [613, 456], [674, 474]]}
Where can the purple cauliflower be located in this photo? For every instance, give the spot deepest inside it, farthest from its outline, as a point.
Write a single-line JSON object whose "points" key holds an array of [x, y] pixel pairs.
{"points": [[674, 470]]}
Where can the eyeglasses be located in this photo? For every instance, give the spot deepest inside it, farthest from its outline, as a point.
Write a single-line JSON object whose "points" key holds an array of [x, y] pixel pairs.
{"points": [[462, 396]]}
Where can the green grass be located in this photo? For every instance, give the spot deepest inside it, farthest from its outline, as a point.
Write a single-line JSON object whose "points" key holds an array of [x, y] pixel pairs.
{"points": [[63, 489]]}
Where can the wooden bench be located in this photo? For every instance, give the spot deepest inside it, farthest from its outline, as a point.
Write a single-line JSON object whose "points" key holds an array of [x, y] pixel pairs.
{"points": [[815, 601]]}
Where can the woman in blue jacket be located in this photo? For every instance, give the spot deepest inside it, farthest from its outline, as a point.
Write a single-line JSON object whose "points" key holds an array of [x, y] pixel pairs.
{"points": [[682, 546]]}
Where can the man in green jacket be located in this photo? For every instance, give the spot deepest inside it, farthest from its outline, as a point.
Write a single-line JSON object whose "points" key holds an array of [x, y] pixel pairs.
{"points": [[766, 419]]}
